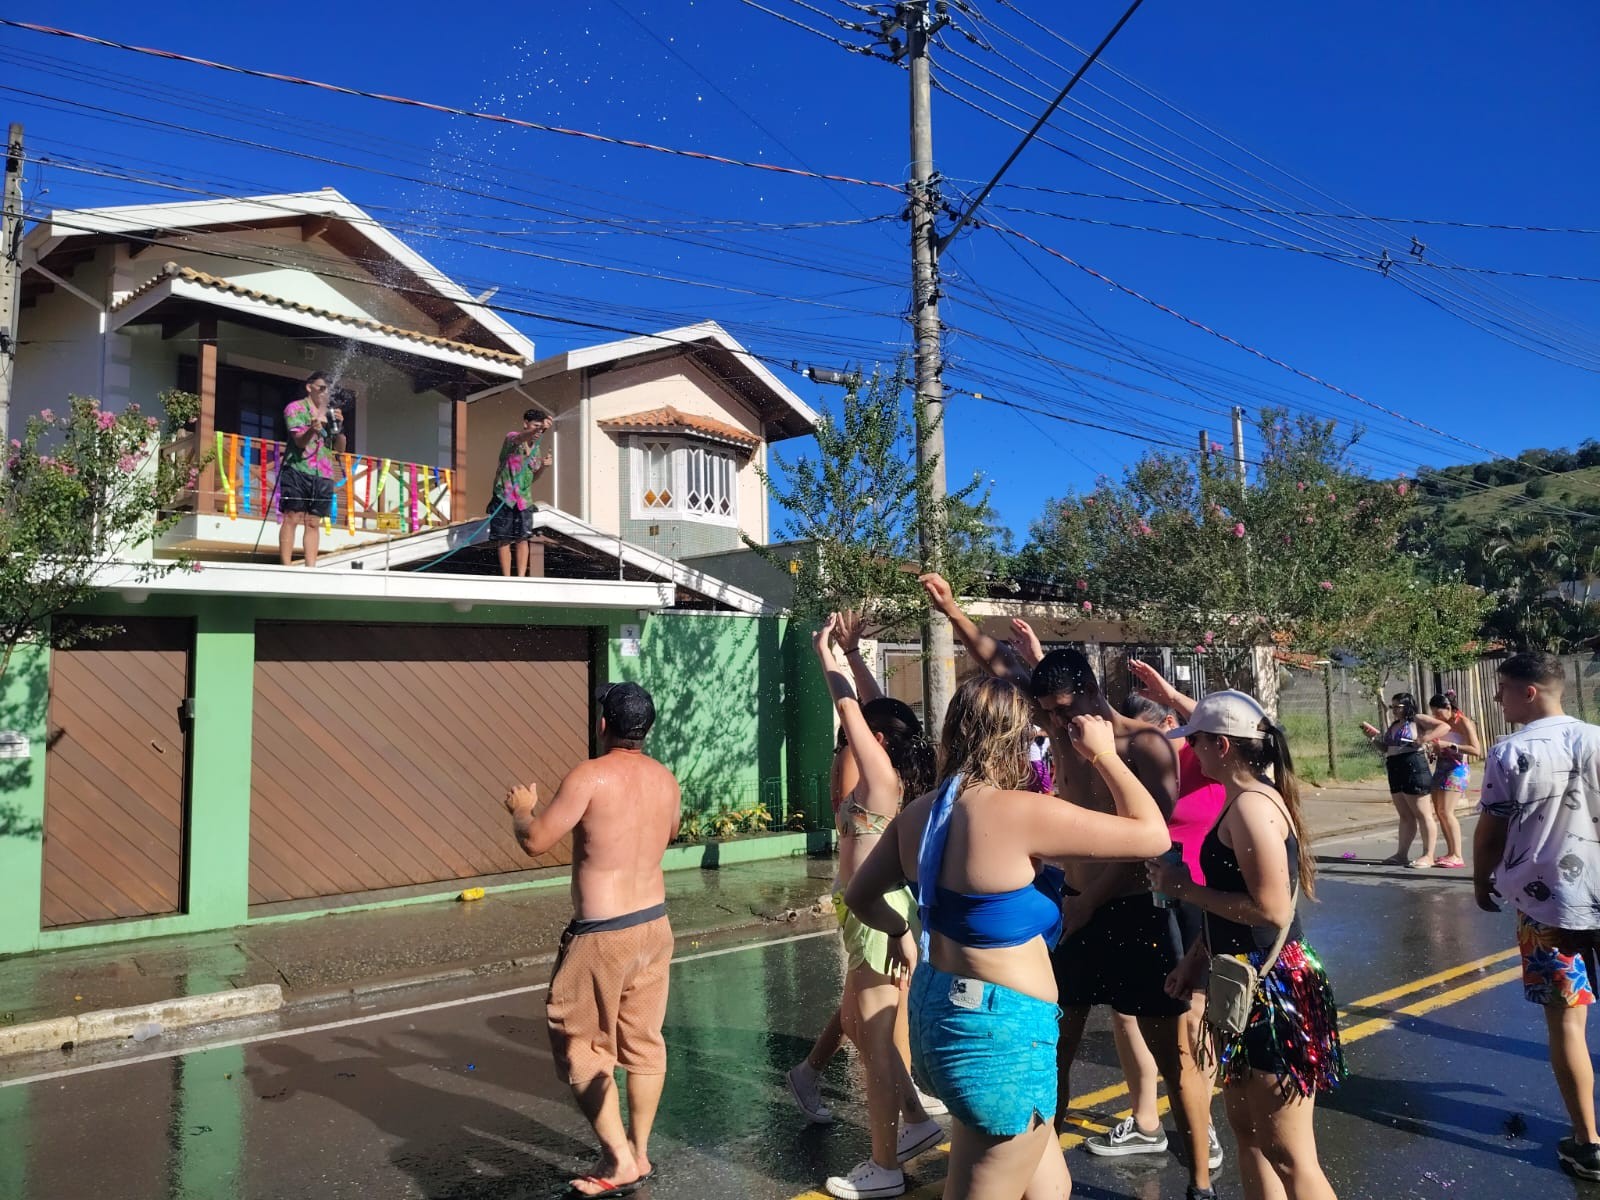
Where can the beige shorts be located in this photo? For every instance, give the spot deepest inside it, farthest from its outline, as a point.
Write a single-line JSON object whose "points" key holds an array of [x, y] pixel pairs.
{"points": [[608, 997]]}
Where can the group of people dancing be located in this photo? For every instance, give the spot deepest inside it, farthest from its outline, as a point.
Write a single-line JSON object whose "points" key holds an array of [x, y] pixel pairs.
{"points": [[1427, 758], [984, 916]]}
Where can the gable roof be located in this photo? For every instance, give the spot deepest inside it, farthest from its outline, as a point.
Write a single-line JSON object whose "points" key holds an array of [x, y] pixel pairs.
{"points": [[326, 208], [670, 420], [715, 351]]}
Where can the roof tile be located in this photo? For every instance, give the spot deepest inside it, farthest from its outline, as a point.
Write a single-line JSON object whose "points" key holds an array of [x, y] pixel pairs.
{"points": [[670, 420]]}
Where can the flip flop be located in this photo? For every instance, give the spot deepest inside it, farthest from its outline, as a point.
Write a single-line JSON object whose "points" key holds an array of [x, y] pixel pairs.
{"points": [[608, 1187], [1395, 860], [1449, 866]]}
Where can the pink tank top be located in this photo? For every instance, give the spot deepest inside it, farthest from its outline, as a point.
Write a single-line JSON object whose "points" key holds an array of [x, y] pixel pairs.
{"points": [[1200, 803]]}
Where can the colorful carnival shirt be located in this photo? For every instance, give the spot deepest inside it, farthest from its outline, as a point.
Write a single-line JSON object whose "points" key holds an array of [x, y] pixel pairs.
{"points": [[519, 463], [1544, 782], [316, 456]]}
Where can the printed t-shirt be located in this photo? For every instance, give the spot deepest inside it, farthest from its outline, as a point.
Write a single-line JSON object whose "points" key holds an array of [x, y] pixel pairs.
{"points": [[513, 480], [315, 457], [1544, 782]]}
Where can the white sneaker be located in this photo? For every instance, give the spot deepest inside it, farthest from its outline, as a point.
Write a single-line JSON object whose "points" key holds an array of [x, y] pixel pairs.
{"points": [[931, 1105], [866, 1182], [802, 1081], [1214, 1154], [917, 1139], [1127, 1138]]}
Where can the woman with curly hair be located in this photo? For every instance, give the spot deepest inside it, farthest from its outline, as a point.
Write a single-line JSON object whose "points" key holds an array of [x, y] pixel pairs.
{"points": [[984, 1017]]}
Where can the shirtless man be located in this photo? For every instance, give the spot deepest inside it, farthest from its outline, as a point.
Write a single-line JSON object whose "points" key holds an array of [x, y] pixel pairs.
{"points": [[608, 996], [1117, 947]]}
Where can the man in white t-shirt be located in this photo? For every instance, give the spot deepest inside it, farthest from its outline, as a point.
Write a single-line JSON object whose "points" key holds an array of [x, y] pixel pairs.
{"points": [[1538, 846]]}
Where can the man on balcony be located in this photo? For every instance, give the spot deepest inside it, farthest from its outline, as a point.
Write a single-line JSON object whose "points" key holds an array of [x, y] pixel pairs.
{"points": [[510, 516], [310, 470]]}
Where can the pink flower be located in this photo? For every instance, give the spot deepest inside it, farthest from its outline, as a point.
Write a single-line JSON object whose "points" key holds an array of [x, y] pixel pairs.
{"points": [[1311, 520], [1199, 649], [1331, 497], [1300, 487], [1216, 447], [1402, 489], [47, 415], [1210, 637], [152, 424], [1087, 607], [1144, 528], [1083, 585], [106, 420], [1286, 539], [196, 567], [127, 463], [1088, 501], [1238, 530], [1326, 585], [15, 444]]}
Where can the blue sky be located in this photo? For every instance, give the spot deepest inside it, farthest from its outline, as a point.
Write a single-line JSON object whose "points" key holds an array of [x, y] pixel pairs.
{"points": [[1466, 112]]}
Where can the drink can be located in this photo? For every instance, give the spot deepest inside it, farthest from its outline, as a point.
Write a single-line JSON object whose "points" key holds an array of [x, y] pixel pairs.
{"points": [[1172, 858]]}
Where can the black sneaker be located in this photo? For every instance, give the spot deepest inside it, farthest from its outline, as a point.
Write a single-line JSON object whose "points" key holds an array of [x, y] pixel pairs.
{"points": [[1200, 1193], [1580, 1158]]}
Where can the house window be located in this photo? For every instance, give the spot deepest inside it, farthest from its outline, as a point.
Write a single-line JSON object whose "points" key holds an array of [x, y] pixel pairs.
{"points": [[684, 479]]}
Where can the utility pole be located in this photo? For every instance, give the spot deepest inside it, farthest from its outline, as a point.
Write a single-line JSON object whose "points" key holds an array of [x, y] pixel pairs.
{"points": [[10, 275], [1238, 442], [938, 644]]}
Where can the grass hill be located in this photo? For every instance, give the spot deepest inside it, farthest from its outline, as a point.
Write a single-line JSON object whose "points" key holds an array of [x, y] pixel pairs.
{"points": [[1479, 505]]}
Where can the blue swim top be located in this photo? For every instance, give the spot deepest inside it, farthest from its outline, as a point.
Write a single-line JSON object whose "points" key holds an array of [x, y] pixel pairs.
{"points": [[984, 921]]}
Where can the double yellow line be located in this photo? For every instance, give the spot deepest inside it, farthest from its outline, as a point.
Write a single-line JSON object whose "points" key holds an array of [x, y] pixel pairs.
{"points": [[1367, 1024]]}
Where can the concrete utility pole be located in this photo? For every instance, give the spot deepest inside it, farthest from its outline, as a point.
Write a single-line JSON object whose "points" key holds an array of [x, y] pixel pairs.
{"points": [[938, 644], [1238, 442], [10, 275]]}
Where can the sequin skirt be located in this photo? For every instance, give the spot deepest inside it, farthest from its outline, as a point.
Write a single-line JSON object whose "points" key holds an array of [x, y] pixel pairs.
{"points": [[1293, 1031]]}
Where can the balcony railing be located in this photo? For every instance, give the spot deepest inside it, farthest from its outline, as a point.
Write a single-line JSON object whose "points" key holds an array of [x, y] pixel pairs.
{"points": [[376, 495]]}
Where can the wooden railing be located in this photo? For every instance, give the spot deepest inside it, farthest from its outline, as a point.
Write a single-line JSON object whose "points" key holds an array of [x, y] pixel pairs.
{"points": [[376, 495]]}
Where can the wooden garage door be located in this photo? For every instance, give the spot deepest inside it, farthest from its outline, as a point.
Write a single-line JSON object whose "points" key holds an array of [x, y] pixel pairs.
{"points": [[383, 753], [114, 775]]}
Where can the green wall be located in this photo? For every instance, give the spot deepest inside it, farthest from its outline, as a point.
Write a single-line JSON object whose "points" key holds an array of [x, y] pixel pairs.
{"points": [[738, 722]]}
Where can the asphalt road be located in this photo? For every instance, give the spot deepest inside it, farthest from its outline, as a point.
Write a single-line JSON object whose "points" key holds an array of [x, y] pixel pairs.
{"points": [[453, 1094]]}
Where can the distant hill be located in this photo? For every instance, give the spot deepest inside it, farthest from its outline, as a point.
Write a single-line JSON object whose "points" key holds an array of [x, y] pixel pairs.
{"points": [[1479, 505]]}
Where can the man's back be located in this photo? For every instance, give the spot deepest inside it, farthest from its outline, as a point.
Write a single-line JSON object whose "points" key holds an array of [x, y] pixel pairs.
{"points": [[617, 845], [1544, 780]]}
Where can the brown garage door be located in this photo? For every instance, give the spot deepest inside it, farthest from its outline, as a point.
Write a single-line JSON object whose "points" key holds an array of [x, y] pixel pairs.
{"points": [[114, 775], [383, 752]]}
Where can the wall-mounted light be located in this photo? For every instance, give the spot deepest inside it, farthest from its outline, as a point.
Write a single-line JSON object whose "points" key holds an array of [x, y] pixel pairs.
{"points": [[135, 595], [461, 606]]}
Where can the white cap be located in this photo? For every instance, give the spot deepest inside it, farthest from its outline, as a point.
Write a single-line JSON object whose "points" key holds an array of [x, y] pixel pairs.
{"points": [[1231, 714]]}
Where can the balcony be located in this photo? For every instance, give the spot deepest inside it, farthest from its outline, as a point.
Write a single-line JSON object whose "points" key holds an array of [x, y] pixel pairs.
{"points": [[377, 498]]}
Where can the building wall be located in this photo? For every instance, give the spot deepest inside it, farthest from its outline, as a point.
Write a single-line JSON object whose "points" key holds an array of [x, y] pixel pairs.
{"points": [[60, 348], [679, 383], [489, 420], [763, 733]]}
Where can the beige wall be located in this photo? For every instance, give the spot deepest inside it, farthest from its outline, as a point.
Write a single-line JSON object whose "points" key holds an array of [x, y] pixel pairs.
{"points": [[488, 422], [673, 382]]}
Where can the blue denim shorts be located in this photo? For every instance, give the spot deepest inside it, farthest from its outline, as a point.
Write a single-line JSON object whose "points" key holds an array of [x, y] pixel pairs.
{"points": [[987, 1051]]}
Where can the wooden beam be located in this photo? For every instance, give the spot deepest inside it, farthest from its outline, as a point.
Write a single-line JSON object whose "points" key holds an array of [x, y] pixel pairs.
{"points": [[314, 227], [458, 453], [137, 248], [206, 429], [456, 328]]}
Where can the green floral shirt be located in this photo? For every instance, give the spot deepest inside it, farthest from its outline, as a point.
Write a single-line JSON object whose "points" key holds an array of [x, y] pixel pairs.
{"points": [[519, 464], [315, 457]]}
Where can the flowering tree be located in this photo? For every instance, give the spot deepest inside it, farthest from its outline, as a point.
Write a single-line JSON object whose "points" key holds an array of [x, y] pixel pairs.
{"points": [[1305, 556], [856, 505], [82, 490]]}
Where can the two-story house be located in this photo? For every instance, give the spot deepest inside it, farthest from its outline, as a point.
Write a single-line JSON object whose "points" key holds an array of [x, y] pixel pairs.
{"points": [[255, 740]]}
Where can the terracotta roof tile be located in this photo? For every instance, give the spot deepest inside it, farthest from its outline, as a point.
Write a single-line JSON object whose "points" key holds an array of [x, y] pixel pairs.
{"points": [[189, 274], [670, 420]]}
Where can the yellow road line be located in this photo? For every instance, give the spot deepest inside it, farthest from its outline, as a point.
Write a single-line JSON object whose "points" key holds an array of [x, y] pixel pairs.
{"points": [[934, 1189]]}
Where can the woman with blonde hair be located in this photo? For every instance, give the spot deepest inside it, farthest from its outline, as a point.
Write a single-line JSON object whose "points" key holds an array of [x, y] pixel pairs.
{"points": [[984, 1018], [1274, 1059]]}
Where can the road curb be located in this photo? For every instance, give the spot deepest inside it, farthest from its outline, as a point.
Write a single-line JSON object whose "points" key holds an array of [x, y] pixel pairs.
{"points": [[109, 1024]]}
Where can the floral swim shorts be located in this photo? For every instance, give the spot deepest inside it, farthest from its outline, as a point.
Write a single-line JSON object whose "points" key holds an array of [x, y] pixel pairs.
{"points": [[1557, 964]]}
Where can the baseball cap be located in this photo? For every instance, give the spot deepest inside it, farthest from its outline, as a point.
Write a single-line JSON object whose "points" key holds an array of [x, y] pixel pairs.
{"points": [[1230, 714]]}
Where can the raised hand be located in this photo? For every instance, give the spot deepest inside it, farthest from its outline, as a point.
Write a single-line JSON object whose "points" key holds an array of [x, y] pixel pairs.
{"points": [[1152, 681], [852, 626], [1025, 643], [1092, 736], [940, 595], [522, 799], [822, 641]]}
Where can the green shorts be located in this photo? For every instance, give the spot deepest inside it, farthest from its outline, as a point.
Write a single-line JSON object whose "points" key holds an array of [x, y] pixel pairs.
{"points": [[864, 945]]}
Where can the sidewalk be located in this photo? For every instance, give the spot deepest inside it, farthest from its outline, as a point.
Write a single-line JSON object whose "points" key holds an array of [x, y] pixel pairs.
{"points": [[327, 958]]}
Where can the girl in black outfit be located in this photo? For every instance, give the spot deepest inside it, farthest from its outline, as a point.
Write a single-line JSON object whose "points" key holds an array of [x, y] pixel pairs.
{"points": [[1410, 775], [1257, 865]]}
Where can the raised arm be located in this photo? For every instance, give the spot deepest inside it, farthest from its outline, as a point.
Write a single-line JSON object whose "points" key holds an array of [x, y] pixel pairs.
{"points": [[1067, 832], [872, 760], [1471, 744], [538, 832], [1155, 685], [851, 626], [987, 652]]}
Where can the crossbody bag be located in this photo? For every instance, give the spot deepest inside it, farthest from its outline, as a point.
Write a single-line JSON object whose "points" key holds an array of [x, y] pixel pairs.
{"points": [[1232, 991]]}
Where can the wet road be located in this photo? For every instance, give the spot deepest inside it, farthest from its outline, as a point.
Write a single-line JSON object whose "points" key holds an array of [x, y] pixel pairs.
{"points": [[454, 1096]]}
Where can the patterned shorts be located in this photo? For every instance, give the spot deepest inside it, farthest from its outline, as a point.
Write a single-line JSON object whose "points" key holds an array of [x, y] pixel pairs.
{"points": [[1557, 963], [1452, 775]]}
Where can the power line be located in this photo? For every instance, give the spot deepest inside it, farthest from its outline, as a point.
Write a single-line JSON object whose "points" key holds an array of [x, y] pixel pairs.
{"points": [[444, 109]]}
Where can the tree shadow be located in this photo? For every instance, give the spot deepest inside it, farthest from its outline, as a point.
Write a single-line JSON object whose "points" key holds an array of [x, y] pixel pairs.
{"points": [[24, 705]]}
